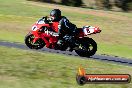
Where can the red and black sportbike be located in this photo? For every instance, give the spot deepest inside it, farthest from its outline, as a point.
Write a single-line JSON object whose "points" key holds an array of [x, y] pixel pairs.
{"points": [[41, 35]]}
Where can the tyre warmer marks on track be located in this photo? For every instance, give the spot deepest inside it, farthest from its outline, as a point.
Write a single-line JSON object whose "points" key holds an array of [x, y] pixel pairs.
{"points": [[117, 60]]}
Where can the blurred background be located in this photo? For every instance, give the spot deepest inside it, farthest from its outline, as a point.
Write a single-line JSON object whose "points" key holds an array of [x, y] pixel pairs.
{"points": [[116, 5], [32, 69]]}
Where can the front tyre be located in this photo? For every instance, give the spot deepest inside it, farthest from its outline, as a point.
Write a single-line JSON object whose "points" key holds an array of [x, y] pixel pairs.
{"points": [[87, 47], [29, 42]]}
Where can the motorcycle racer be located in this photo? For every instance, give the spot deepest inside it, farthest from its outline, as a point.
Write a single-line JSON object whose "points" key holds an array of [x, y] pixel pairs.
{"points": [[63, 26], [49, 29]]}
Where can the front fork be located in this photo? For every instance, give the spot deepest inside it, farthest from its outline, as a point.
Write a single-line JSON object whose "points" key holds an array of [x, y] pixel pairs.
{"points": [[36, 36], [45, 37]]}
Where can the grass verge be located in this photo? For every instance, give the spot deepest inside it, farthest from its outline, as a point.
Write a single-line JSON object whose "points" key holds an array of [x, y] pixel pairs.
{"points": [[31, 69]]}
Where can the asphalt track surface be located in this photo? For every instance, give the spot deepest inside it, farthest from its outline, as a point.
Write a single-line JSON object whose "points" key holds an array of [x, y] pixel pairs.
{"points": [[114, 59]]}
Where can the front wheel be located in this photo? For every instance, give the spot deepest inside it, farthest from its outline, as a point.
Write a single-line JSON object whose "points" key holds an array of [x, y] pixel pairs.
{"points": [[87, 47], [29, 42]]}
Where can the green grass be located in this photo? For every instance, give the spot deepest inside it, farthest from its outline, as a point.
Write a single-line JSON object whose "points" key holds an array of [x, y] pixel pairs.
{"points": [[17, 17], [31, 69], [117, 49]]}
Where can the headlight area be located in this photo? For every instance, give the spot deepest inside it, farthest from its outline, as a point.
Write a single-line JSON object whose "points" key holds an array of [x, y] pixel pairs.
{"points": [[34, 28]]}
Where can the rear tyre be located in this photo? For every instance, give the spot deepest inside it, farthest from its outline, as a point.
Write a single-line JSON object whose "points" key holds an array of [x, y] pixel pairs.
{"points": [[29, 42], [87, 47]]}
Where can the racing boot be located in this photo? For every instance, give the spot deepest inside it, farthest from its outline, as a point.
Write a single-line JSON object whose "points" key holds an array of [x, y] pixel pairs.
{"points": [[60, 40], [72, 42]]}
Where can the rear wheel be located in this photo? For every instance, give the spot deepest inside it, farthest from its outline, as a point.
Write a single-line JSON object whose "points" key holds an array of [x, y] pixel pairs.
{"points": [[87, 47], [29, 42]]}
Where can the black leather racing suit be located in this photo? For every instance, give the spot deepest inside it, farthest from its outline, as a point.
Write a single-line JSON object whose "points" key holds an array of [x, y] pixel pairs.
{"points": [[67, 31], [66, 27]]}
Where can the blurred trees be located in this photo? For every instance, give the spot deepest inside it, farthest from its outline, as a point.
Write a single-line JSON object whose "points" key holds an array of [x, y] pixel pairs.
{"points": [[103, 4], [107, 4], [48, 1], [75, 3], [125, 5]]}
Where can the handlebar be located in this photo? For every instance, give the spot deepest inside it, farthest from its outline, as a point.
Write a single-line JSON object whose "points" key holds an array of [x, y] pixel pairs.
{"points": [[47, 19]]}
